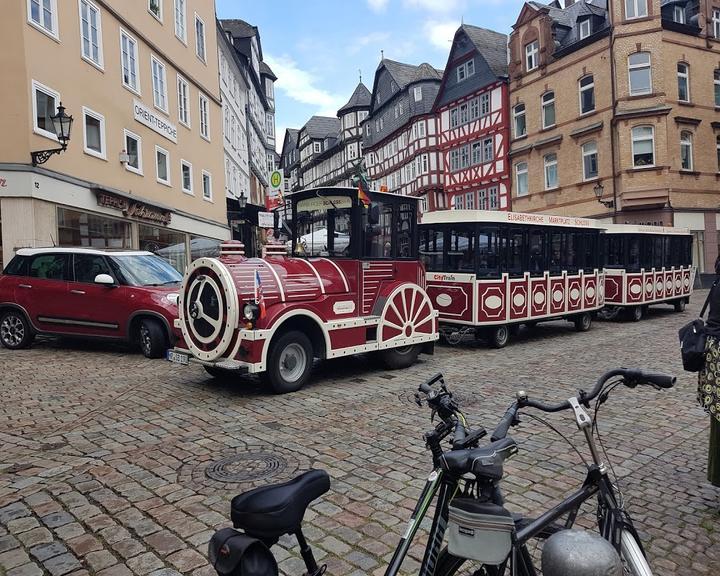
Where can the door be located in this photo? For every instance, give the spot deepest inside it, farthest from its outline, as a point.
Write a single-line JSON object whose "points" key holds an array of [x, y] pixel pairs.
{"points": [[43, 293], [97, 308]]}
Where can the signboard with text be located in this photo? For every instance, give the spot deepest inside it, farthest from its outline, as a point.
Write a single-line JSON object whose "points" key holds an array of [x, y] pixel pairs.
{"points": [[146, 116], [266, 219]]}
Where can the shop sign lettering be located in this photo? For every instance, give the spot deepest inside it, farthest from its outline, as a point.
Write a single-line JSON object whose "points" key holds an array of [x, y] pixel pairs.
{"points": [[134, 209], [146, 116]]}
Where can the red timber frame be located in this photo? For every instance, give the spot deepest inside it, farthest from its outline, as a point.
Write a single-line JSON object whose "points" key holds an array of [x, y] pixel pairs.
{"points": [[465, 298], [478, 176]]}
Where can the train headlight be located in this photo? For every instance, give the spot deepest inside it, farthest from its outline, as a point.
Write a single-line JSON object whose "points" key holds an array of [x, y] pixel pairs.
{"points": [[251, 311]]}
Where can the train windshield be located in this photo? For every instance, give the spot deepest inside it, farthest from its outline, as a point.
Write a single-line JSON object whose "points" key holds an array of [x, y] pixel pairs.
{"points": [[323, 227]]}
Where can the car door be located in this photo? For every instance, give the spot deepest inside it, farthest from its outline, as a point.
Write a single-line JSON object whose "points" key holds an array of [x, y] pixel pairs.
{"points": [[96, 307], [43, 292]]}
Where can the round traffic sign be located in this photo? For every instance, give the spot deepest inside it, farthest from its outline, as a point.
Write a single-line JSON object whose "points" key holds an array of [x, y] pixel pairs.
{"points": [[275, 179]]}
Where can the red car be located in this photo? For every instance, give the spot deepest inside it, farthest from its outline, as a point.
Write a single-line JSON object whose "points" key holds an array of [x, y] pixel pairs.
{"points": [[130, 296]]}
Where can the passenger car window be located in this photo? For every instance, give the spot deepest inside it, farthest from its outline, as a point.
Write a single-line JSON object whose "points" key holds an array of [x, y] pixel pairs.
{"points": [[87, 266], [49, 266], [17, 266]]}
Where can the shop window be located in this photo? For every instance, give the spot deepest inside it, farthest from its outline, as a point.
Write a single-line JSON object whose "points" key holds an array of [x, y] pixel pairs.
{"points": [[167, 244], [92, 231]]}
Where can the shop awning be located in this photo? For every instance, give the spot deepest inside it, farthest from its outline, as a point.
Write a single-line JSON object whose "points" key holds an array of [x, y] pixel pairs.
{"points": [[645, 198]]}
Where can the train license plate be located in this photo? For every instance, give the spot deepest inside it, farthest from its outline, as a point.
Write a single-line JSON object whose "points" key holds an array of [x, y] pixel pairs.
{"points": [[178, 357]]}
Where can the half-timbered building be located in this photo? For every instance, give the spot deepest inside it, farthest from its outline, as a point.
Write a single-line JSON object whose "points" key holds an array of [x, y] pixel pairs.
{"points": [[400, 136], [473, 121]]}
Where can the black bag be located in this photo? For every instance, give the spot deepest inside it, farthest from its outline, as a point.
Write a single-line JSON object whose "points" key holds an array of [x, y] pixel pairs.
{"points": [[693, 337], [233, 553]]}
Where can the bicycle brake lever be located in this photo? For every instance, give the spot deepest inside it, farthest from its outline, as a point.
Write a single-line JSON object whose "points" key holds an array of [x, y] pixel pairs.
{"points": [[418, 399]]}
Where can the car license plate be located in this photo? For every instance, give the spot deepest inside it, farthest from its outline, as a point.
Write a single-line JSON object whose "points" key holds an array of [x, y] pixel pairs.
{"points": [[177, 357]]}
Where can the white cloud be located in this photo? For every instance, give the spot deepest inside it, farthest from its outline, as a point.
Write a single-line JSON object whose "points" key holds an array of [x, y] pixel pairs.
{"points": [[377, 5], [441, 33], [374, 38], [302, 86], [435, 5]]}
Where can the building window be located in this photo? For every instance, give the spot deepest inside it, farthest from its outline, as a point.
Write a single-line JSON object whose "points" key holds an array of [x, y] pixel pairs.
{"points": [[45, 102], [548, 109], [204, 117], [270, 125], [686, 151], [716, 23], [683, 79], [454, 160], [417, 92], [183, 101], [587, 94], [207, 185], [521, 178], [129, 62], [470, 200], [155, 8], [159, 84], [487, 150], [94, 133], [454, 118], [465, 70], [162, 163], [133, 148], [639, 71], [199, 38], [474, 109], [43, 13], [316, 147], [476, 153], [483, 199], [584, 28], [532, 51], [519, 125], [464, 157], [635, 8], [181, 19], [269, 89], [643, 146], [590, 160], [186, 171], [463, 114], [421, 129], [717, 87], [424, 163], [484, 104], [717, 148], [493, 196], [679, 14], [91, 33], [551, 171]]}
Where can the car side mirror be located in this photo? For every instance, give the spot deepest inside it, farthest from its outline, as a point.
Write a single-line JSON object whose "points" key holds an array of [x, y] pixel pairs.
{"points": [[105, 280]]}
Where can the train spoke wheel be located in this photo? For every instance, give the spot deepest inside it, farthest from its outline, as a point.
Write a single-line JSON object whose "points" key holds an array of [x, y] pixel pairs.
{"points": [[408, 313]]}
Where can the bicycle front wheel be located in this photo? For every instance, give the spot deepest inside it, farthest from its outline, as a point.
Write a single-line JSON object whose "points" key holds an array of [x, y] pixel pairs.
{"points": [[634, 561]]}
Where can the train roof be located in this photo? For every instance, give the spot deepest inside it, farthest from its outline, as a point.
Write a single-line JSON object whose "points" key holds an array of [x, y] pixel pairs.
{"points": [[350, 190], [644, 229], [500, 217]]}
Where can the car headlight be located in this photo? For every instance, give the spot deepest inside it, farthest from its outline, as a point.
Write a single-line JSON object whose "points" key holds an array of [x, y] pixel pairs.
{"points": [[172, 298], [251, 311]]}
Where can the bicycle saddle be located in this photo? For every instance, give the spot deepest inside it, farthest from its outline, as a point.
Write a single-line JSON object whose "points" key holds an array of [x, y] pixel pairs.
{"points": [[484, 462], [269, 512]]}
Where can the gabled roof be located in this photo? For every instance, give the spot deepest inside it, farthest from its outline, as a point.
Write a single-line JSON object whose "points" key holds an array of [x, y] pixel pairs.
{"points": [[240, 28], [320, 127], [405, 74], [265, 70], [360, 98], [491, 45]]}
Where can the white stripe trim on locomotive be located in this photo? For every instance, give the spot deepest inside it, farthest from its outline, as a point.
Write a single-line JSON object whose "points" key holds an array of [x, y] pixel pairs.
{"points": [[342, 274], [315, 272], [277, 279]]}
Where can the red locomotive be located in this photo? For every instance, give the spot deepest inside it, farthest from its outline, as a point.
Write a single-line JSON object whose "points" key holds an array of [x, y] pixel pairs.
{"points": [[354, 284]]}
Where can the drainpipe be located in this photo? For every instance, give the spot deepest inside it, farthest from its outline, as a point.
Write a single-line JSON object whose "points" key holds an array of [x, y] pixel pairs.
{"points": [[613, 132]]}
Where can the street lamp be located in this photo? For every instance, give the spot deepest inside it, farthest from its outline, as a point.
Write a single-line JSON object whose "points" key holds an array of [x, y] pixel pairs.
{"points": [[599, 189], [242, 201], [62, 124]]}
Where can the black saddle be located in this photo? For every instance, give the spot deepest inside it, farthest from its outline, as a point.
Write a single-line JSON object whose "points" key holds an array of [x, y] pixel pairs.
{"points": [[485, 462], [269, 512]]}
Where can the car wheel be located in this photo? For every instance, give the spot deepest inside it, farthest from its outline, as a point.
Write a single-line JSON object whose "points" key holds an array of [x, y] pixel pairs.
{"points": [[397, 358], [289, 363], [15, 330], [151, 338], [680, 305], [583, 322], [500, 336]]}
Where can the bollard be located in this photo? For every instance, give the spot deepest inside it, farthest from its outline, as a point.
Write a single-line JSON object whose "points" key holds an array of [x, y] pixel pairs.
{"points": [[579, 553]]}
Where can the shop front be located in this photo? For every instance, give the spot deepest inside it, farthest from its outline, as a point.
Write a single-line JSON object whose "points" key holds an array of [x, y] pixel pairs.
{"points": [[40, 209]]}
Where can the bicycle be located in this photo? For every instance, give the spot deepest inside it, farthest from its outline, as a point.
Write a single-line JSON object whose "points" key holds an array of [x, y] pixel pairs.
{"points": [[469, 503]]}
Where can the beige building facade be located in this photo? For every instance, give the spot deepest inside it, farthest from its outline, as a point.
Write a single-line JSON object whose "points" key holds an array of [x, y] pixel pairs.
{"points": [[144, 165], [621, 97]]}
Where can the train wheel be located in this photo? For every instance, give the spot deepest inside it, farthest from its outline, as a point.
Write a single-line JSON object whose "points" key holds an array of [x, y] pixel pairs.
{"points": [[635, 313], [397, 358], [583, 322], [406, 316], [289, 363], [680, 305], [500, 336]]}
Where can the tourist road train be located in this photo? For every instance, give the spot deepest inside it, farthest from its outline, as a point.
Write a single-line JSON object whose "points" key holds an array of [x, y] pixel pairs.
{"points": [[368, 278]]}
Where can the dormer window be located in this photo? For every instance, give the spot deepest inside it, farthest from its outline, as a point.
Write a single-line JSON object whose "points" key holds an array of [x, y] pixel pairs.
{"points": [[585, 28], [679, 14], [532, 51], [465, 70]]}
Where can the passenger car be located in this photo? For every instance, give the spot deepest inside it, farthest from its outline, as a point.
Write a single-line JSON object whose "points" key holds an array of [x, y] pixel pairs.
{"points": [[129, 296]]}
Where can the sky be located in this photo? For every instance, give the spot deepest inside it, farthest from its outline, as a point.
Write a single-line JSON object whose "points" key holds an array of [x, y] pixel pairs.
{"points": [[319, 48]]}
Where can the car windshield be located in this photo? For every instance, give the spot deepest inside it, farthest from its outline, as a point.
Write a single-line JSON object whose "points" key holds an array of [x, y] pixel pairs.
{"points": [[314, 218], [147, 270]]}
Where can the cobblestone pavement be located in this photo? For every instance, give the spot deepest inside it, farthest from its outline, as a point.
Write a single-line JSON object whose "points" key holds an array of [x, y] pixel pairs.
{"points": [[112, 464]]}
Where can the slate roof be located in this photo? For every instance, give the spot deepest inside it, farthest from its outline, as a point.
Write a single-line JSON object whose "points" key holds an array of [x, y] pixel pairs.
{"points": [[267, 71], [492, 45], [240, 28], [360, 98], [567, 18], [320, 127], [405, 74]]}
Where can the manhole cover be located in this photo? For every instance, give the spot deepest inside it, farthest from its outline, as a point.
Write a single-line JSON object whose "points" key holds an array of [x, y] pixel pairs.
{"points": [[246, 467]]}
